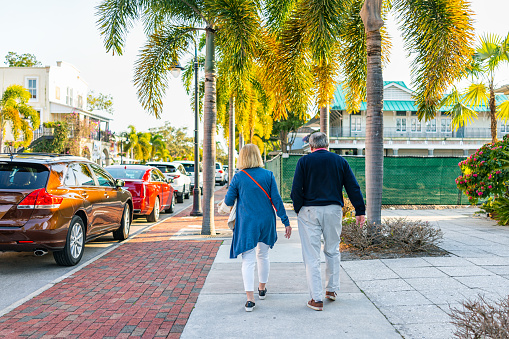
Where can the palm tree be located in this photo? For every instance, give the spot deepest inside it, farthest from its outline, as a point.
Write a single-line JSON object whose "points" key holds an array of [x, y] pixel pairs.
{"points": [[171, 26], [438, 33], [492, 52], [139, 144], [22, 117], [157, 145]]}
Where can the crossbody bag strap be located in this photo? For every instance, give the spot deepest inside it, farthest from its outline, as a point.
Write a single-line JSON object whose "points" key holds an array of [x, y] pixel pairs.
{"points": [[256, 182]]}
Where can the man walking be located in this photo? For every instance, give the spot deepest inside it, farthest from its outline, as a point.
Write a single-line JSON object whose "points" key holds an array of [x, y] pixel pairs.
{"points": [[318, 200]]}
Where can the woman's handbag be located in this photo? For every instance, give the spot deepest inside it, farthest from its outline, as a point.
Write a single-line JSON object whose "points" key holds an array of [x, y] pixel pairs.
{"points": [[224, 209]]}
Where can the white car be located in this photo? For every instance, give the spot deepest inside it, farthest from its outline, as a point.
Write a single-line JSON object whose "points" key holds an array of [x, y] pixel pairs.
{"points": [[181, 181], [225, 169], [189, 166], [220, 174]]}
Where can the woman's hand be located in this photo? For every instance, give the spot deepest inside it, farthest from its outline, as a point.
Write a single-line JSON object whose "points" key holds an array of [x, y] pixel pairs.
{"points": [[288, 232]]}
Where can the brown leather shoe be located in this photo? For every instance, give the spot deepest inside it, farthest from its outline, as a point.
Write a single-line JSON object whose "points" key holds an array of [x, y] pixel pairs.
{"points": [[331, 295], [315, 305]]}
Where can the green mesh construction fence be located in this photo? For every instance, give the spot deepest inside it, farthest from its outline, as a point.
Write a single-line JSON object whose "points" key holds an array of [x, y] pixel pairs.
{"points": [[407, 180]]}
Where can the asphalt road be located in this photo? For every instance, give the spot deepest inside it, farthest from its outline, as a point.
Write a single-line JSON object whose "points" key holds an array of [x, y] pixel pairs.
{"points": [[22, 274]]}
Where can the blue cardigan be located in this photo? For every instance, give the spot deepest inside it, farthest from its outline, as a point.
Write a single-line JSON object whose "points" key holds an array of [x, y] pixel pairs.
{"points": [[255, 220], [319, 180]]}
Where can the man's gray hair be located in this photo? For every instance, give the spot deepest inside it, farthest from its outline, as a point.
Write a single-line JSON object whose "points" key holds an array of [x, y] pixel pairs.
{"points": [[318, 140]]}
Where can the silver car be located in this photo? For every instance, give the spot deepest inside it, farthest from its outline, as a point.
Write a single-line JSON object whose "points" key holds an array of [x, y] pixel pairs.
{"points": [[189, 166]]}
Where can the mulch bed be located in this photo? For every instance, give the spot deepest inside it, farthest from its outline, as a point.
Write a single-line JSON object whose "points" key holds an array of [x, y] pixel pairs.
{"points": [[350, 253]]}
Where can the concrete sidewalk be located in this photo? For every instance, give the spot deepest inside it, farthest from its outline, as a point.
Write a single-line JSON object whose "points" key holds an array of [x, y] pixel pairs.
{"points": [[390, 298]]}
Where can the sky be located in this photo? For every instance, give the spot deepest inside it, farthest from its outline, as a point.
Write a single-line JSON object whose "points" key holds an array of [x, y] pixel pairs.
{"points": [[60, 30]]}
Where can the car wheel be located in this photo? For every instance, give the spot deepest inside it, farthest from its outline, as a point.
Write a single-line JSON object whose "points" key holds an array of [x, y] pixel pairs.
{"points": [[74, 245], [154, 215], [180, 198], [171, 209], [122, 233], [186, 195]]}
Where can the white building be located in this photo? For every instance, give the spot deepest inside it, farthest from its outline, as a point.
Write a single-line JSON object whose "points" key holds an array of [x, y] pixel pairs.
{"points": [[404, 134], [58, 90]]}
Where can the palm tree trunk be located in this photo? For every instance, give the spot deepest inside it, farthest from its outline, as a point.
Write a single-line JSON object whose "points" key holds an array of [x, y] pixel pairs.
{"points": [[231, 141], [324, 119], [493, 117], [371, 17], [241, 140], [209, 135], [251, 135]]}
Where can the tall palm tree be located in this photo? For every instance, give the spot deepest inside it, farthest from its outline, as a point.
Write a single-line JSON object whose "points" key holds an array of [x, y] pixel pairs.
{"points": [[139, 144], [170, 26], [158, 145], [22, 117]]}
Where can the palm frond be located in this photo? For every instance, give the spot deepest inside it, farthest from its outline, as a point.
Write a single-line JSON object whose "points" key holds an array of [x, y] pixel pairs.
{"points": [[116, 18], [277, 12], [477, 94], [503, 111], [151, 69], [440, 34], [461, 114]]}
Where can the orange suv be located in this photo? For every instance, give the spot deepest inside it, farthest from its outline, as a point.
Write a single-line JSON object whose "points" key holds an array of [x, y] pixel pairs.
{"points": [[53, 202]]}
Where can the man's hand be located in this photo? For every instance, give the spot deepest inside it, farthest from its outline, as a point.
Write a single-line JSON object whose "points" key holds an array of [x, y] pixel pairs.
{"points": [[360, 220], [288, 232]]}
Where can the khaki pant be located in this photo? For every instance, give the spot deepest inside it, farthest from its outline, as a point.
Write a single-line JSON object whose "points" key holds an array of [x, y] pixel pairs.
{"points": [[313, 222]]}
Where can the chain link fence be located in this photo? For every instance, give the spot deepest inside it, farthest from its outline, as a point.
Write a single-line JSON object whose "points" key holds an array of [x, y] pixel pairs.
{"points": [[406, 181]]}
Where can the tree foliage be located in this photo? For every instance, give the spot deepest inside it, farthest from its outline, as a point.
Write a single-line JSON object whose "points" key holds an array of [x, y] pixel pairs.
{"points": [[14, 109], [100, 101], [176, 140], [13, 59]]}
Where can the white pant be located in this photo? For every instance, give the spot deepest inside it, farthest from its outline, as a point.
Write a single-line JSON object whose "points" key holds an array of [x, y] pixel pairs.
{"points": [[313, 222], [248, 266]]}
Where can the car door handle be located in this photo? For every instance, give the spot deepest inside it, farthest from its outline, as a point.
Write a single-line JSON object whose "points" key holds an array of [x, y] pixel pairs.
{"points": [[106, 195], [84, 194]]}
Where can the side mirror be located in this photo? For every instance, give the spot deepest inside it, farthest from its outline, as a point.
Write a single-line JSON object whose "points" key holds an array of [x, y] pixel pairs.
{"points": [[119, 183]]}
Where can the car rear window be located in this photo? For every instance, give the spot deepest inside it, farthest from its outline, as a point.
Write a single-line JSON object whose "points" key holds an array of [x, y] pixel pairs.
{"points": [[218, 166], [189, 167], [126, 173], [23, 176], [165, 168]]}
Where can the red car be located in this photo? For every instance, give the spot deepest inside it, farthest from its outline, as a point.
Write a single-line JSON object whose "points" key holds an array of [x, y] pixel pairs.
{"points": [[151, 191]]}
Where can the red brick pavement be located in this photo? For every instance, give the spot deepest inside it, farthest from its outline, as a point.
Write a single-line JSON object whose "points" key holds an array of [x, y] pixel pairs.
{"points": [[145, 288]]}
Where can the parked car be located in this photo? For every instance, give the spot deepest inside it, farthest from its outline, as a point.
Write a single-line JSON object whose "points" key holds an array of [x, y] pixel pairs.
{"points": [[225, 169], [51, 202], [181, 181], [151, 191], [189, 166], [220, 174]]}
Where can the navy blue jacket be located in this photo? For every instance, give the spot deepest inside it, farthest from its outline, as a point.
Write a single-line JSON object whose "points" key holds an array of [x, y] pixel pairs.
{"points": [[319, 180]]}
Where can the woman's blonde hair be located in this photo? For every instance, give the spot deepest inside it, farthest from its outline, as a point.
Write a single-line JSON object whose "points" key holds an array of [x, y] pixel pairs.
{"points": [[249, 157]]}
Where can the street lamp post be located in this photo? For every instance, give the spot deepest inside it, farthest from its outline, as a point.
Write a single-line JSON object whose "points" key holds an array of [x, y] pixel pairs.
{"points": [[196, 191]]}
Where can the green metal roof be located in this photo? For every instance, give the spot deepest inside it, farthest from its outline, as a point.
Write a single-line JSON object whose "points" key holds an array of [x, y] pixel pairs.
{"points": [[339, 101]]}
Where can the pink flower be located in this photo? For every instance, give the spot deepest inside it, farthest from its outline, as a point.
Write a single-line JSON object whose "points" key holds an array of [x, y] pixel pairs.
{"points": [[479, 193], [490, 186], [498, 172], [480, 152], [475, 159], [489, 176], [475, 175]]}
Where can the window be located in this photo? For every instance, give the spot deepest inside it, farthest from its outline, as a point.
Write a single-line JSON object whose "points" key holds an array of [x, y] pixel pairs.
{"points": [[127, 173], [401, 113], [504, 127], [415, 125], [431, 126], [160, 175], [182, 170], [32, 87], [355, 124], [82, 174], [401, 124], [23, 176], [80, 101], [57, 93], [445, 125], [69, 98], [102, 176], [154, 176]]}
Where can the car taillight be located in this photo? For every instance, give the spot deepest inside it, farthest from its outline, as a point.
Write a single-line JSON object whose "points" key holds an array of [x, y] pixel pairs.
{"points": [[40, 199], [220, 171], [176, 176]]}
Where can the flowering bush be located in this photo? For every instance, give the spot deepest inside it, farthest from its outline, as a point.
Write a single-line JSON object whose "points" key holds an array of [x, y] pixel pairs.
{"points": [[483, 173]]}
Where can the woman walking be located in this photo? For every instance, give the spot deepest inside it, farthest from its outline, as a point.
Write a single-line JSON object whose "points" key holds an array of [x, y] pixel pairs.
{"points": [[255, 223]]}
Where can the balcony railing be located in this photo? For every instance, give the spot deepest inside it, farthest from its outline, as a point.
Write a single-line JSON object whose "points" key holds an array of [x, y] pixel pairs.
{"points": [[97, 135], [392, 132]]}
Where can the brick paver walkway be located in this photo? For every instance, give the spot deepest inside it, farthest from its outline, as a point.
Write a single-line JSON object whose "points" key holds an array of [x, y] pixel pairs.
{"points": [[145, 288]]}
